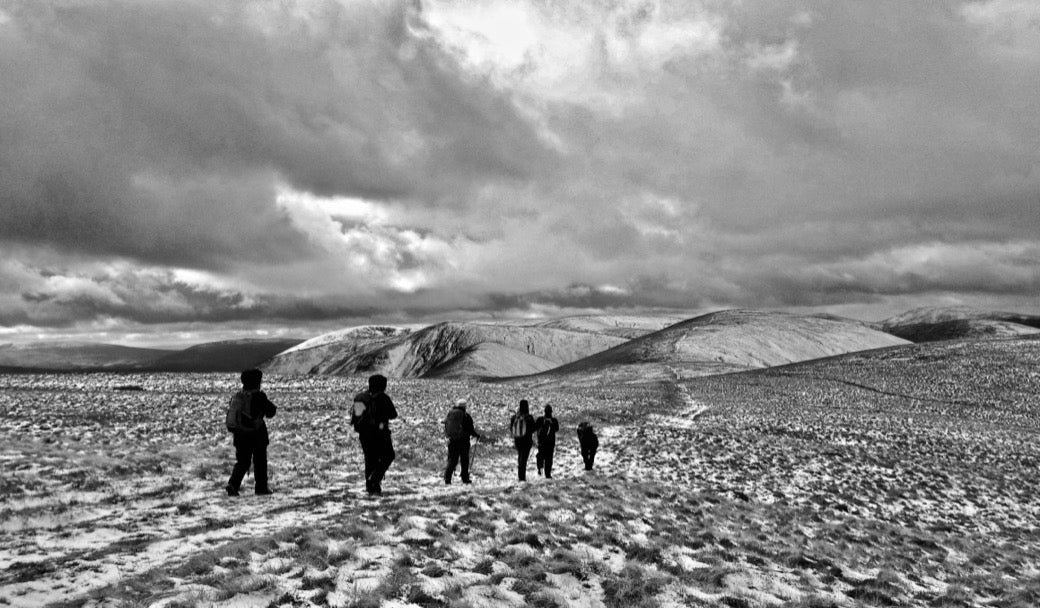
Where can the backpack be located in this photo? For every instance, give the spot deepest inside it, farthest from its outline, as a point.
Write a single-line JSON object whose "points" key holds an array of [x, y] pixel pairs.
{"points": [[518, 426], [455, 424], [546, 432], [242, 416], [361, 417]]}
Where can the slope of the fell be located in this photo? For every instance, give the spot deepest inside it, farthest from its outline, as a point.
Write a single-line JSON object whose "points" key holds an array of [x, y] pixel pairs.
{"points": [[76, 356], [722, 342], [222, 356], [951, 323], [440, 350], [812, 485], [490, 360], [308, 356], [620, 325]]}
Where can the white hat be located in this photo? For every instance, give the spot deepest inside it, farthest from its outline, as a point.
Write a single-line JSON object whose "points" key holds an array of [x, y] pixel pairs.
{"points": [[460, 403]]}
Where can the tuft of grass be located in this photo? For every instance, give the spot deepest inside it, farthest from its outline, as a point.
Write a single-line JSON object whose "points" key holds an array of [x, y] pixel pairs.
{"points": [[434, 570], [646, 553], [397, 583], [634, 586], [418, 597], [484, 566], [543, 599], [813, 601]]}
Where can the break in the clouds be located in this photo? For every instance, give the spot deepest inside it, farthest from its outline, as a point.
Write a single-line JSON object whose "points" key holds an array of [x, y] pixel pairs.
{"points": [[214, 162]]}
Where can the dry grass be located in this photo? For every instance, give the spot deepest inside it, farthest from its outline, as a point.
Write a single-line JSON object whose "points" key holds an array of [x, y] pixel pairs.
{"points": [[799, 487]]}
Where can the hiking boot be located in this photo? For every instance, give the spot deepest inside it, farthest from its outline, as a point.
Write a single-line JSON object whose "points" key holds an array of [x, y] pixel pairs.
{"points": [[231, 490], [264, 492]]}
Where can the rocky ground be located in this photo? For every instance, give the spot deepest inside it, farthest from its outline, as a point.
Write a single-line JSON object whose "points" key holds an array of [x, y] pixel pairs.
{"points": [[902, 477]]}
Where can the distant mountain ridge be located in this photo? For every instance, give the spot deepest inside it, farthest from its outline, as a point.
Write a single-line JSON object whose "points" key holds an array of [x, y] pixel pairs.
{"points": [[312, 356], [582, 349], [452, 349], [223, 356], [929, 324], [75, 356], [722, 342]]}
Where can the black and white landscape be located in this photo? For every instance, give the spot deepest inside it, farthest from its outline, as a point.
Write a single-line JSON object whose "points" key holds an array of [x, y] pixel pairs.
{"points": [[767, 459], [785, 256]]}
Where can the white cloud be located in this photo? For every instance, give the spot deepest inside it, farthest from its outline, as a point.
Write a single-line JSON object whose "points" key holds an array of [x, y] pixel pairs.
{"points": [[592, 55], [1012, 27]]}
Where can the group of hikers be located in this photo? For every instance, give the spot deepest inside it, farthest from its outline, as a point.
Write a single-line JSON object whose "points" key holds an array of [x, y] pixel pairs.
{"points": [[370, 415]]}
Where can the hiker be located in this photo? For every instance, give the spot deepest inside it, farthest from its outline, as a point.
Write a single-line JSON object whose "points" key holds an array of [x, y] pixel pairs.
{"points": [[546, 427], [458, 428], [245, 421], [521, 427], [589, 443], [371, 414]]}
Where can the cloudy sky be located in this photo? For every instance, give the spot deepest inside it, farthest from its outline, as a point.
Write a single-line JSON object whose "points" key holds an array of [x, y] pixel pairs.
{"points": [[171, 168]]}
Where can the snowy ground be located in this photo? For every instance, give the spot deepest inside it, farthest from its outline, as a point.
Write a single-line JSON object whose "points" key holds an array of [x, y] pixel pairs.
{"points": [[800, 487]]}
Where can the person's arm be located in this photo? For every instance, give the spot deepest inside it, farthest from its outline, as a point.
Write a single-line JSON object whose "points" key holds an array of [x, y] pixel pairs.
{"points": [[383, 408], [469, 424], [269, 408]]}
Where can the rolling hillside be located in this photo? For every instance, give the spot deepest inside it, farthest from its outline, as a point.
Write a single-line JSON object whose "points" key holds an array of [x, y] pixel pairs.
{"points": [[309, 356], [722, 342], [465, 349], [223, 356], [75, 356], [622, 326], [953, 323]]}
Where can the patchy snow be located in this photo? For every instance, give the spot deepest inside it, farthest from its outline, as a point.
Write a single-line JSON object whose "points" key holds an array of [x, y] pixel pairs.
{"points": [[766, 489]]}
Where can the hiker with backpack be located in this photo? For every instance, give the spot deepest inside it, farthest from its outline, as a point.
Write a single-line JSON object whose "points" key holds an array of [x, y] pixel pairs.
{"points": [[521, 427], [458, 428], [588, 442], [245, 421], [371, 413], [546, 427]]}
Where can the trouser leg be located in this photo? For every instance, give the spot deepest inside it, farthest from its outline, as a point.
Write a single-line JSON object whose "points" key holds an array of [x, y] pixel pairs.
{"points": [[366, 451], [523, 452], [260, 467], [243, 456], [453, 461], [464, 460], [386, 455], [547, 462]]}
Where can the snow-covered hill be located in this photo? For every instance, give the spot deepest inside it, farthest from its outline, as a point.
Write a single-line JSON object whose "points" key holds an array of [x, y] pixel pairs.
{"points": [[309, 356], [723, 342], [952, 323], [465, 349]]}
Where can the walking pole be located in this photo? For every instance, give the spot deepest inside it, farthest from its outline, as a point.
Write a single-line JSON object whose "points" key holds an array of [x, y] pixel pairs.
{"points": [[472, 454]]}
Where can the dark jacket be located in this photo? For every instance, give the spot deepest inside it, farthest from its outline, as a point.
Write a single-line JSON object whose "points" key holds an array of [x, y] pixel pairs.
{"points": [[467, 422], [587, 438], [550, 422], [381, 412], [268, 409]]}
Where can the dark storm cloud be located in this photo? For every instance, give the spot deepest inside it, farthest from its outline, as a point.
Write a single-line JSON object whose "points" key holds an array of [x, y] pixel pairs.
{"points": [[71, 297], [158, 130], [307, 159]]}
